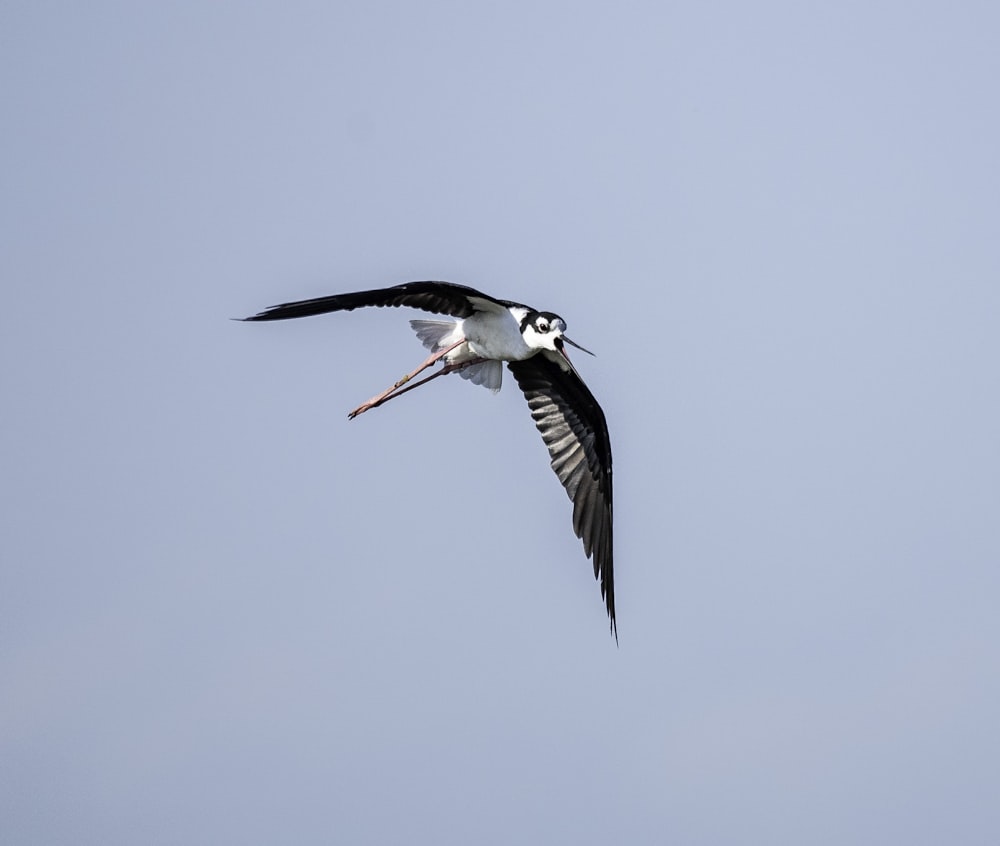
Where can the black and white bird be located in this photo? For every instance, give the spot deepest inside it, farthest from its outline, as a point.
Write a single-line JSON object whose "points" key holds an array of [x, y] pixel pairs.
{"points": [[485, 333]]}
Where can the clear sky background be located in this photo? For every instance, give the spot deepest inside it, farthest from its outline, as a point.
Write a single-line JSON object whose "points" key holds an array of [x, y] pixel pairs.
{"points": [[229, 615]]}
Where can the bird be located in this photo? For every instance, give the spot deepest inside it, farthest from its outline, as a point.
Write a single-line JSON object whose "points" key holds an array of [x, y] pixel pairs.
{"points": [[485, 332]]}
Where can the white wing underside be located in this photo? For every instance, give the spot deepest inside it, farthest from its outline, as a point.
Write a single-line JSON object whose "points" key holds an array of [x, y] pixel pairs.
{"points": [[438, 334]]}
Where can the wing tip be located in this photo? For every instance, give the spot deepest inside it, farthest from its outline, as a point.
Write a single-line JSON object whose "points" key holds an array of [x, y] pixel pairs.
{"points": [[609, 599], [270, 313]]}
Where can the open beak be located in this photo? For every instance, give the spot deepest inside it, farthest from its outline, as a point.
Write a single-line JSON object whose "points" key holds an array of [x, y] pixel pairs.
{"points": [[575, 344]]}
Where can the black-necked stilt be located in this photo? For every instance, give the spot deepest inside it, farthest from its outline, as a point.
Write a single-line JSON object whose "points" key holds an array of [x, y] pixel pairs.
{"points": [[487, 332]]}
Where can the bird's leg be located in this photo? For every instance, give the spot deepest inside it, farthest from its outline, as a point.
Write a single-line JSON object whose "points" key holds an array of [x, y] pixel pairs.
{"points": [[382, 397], [375, 402]]}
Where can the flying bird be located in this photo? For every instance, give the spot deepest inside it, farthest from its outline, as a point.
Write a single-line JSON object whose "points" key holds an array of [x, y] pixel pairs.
{"points": [[485, 333]]}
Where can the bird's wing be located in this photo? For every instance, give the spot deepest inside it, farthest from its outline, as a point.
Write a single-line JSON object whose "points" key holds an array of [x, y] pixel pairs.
{"points": [[435, 297], [573, 427]]}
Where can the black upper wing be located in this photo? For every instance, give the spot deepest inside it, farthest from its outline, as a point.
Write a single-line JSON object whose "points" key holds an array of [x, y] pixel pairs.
{"points": [[435, 297], [573, 427]]}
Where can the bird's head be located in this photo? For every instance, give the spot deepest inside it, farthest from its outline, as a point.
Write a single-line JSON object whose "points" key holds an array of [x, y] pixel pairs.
{"points": [[543, 330]]}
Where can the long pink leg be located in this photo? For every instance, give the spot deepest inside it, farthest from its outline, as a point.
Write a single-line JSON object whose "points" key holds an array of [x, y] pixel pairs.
{"points": [[375, 402], [382, 397]]}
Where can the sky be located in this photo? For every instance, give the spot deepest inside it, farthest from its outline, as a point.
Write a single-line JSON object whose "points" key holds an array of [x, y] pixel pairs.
{"points": [[230, 615]]}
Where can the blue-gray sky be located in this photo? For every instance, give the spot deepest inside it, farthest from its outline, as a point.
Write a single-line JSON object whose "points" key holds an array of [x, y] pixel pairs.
{"points": [[230, 615]]}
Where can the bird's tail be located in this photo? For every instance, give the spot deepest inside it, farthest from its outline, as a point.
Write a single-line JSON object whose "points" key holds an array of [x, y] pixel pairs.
{"points": [[440, 334], [437, 334]]}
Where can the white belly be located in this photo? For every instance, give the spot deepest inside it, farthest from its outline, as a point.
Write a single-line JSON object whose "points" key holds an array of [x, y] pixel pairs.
{"points": [[496, 336]]}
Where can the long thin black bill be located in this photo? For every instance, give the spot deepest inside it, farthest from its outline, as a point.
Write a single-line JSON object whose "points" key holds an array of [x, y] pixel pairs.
{"points": [[575, 344]]}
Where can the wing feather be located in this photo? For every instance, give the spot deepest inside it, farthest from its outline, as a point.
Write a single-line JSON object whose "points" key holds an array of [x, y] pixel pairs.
{"points": [[434, 297], [575, 432]]}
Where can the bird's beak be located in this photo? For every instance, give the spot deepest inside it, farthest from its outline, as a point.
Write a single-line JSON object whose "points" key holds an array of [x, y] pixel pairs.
{"points": [[575, 344]]}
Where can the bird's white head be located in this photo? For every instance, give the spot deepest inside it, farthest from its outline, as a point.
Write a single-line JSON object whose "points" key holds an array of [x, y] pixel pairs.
{"points": [[543, 330]]}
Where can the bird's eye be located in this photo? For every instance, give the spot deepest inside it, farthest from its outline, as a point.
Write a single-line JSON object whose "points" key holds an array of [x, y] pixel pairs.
{"points": [[542, 326]]}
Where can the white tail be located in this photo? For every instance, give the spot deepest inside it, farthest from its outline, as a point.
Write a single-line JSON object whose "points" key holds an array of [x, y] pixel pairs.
{"points": [[438, 334]]}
